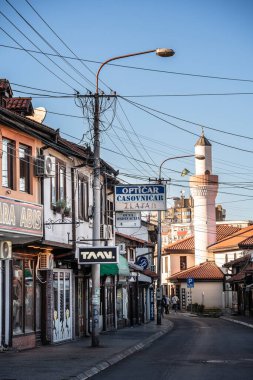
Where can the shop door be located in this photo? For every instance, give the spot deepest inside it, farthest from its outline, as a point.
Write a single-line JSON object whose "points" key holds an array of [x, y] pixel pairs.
{"points": [[62, 318], [110, 321], [81, 314]]}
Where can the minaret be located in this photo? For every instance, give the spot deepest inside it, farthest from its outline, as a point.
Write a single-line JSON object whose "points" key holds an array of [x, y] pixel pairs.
{"points": [[204, 187]]}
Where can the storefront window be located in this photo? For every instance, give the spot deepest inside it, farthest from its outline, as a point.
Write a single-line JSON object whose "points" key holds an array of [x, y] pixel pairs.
{"points": [[23, 296], [119, 304], [17, 296]]}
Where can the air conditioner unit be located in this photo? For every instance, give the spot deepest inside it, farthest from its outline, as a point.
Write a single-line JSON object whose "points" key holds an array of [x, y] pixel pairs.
{"points": [[45, 261], [106, 232], [45, 166], [5, 250]]}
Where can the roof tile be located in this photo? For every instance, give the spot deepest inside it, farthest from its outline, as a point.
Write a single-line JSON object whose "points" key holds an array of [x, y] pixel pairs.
{"points": [[204, 271]]}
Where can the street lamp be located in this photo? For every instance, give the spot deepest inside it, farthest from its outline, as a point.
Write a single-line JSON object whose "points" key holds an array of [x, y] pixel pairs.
{"points": [[162, 52], [159, 240]]}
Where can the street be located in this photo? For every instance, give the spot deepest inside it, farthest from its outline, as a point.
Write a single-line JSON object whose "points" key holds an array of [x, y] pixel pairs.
{"points": [[196, 348]]}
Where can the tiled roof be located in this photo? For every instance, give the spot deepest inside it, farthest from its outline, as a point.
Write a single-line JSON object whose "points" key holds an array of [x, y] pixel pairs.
{"points": [[133, 238], [204, 271], [238, 277], [188, 244], [19, 104], [237, 261], [235, 241], [150, 273]]}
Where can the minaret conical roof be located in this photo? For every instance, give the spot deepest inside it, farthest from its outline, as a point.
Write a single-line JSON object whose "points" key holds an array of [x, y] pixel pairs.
{"points": [[203, 141]]}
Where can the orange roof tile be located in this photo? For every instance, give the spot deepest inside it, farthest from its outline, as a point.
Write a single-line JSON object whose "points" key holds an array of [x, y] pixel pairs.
{"points": [[188, 244], [235, 241], [19, 104], [204, 271]]}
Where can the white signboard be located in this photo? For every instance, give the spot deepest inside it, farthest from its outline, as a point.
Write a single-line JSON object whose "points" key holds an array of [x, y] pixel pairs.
{"points": [[128, 219], [140, 198]]}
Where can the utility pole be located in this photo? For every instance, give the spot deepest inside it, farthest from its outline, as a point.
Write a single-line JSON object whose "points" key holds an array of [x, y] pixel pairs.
{"points": [[95, 301]]}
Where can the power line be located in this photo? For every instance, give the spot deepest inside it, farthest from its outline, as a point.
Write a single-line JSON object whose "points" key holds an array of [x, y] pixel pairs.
{"points": [[81, 61], [138, 68], [51, 47], [145, 109]]}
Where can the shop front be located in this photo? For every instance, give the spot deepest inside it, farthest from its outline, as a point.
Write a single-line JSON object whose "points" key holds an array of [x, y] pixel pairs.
{"points": [[20, 289]]}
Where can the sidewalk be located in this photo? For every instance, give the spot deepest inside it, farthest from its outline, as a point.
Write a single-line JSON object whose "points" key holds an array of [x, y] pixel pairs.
{"points": [[240, 319], [77, 360]]}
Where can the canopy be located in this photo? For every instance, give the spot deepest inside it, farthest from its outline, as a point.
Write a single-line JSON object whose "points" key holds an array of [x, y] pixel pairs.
{"points": [[121, 268]]}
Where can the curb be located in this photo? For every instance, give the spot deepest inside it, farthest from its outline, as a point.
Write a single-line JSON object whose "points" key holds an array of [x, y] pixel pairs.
{"points": [[238, 322], [99, 367]]}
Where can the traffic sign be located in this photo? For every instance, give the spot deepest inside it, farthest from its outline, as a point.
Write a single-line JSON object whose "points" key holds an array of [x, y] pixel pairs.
{"points": [[142, 261], [190, 282]]}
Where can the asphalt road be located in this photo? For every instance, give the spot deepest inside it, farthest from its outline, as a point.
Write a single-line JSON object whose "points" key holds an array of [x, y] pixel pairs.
{"points": [[196, 348]]}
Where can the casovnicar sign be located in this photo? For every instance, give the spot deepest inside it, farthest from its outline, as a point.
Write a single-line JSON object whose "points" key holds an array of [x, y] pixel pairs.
{"points": [[140, 198], [98, 255]]}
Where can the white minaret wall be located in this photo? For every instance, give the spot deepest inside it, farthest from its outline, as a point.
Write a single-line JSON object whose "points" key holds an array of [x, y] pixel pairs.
{"points": [[204, 187], [201, 166]]}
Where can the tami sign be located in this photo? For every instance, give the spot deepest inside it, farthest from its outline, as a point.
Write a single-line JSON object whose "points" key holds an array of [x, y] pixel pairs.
{"points": [[98, 255], [140, 198]]}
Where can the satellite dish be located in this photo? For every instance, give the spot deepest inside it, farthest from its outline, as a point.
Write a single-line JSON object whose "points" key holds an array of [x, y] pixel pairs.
{"points": [[39, 114]]}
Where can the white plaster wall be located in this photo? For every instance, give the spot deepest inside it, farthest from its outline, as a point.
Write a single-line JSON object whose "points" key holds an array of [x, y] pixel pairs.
{"points": [[208, 293], [59, 232]]}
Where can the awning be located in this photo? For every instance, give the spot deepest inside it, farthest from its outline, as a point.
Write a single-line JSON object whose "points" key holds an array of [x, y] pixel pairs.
{"points": [[121, 268]]}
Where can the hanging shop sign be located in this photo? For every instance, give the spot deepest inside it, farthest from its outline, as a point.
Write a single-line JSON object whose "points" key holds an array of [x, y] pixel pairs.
{"points": [[140, 198], [21, 217], [98, 255], [128, 219]]}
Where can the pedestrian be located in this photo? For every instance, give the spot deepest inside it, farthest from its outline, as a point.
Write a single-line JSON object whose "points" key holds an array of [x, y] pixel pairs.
{"points": [[175, 301], [164, 304], [167, 311]]}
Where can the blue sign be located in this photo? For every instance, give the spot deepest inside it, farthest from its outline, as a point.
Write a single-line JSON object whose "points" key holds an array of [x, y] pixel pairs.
{"points": [[142, 261], [190, 282], [140, 197]]}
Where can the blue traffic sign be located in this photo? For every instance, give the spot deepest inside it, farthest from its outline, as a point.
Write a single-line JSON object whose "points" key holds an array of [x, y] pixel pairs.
{"points": [[142, 261], [190, 282]]}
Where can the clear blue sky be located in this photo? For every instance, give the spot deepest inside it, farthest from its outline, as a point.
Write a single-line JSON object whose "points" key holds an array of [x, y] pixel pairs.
{"points": [[210, 38]]}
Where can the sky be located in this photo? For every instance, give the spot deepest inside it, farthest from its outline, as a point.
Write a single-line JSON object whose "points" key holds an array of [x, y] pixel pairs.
{"points": [[163, 104]]}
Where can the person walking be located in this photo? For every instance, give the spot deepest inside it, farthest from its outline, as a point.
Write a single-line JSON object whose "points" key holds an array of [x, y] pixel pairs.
{"points": [[175, 301], [164, 305]]}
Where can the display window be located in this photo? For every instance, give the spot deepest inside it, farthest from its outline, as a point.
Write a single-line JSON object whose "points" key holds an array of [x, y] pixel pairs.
{"points": [[24, 293]]}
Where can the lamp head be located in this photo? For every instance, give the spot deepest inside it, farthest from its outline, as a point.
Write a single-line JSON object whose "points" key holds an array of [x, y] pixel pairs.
{"points": [[164, 52]]}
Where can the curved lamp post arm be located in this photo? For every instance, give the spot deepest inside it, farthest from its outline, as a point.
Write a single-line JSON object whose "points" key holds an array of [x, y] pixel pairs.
{"points": [[162, 52], [174, 158]]}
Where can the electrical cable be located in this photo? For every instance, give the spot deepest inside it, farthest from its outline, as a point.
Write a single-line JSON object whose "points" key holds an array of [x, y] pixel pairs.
{"points": [[47, 43]]}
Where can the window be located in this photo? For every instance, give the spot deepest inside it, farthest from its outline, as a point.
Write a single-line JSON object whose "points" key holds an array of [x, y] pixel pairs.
{"points": [[131, 254], [8, 159], [58, 184], [24, 169], [23, 296], [109, 212], [83, 203], [183, 262]]}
